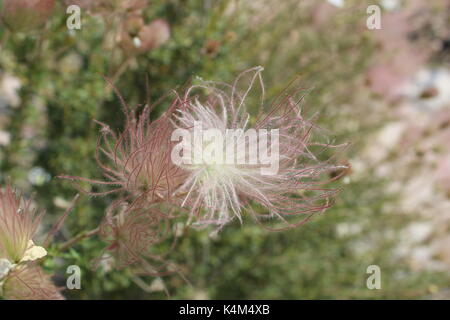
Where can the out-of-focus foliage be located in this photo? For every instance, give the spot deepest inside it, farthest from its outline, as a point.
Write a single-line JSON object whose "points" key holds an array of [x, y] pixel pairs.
{"points": [[325, 49]]}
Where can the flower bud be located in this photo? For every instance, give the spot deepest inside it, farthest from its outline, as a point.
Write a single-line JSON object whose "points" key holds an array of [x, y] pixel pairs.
{"points": [[136, 38], [133, 25], [154, 34]]}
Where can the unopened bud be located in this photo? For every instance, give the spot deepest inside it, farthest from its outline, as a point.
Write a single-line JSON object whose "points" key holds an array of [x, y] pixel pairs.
{"points": [[154, 34], [134, 24]]}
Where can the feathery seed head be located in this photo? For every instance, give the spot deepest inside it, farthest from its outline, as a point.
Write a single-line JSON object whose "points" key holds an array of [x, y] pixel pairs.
{"points": [[29, 282], [137, 160], [130, 231], [272, 163], [133, 232]]}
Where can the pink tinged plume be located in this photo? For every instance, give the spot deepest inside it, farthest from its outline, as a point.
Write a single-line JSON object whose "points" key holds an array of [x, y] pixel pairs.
{"points": [[29, 282], [131, 231], [26, 15], [217, 193], [136, 161]]}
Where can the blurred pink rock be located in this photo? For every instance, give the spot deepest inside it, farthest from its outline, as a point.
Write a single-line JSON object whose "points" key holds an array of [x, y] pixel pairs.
{"points": [[397, 57], [322, 13]]}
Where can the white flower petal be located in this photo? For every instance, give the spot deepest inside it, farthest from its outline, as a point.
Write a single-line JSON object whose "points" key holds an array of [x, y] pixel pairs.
{"points": [[34, 252], [5, 267]]}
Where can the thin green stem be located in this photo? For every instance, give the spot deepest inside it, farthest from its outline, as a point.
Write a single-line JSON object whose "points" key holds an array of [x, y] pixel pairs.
{"points": [[83, 235]]}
